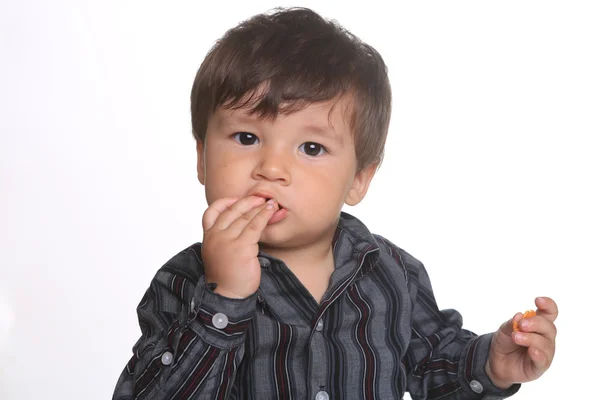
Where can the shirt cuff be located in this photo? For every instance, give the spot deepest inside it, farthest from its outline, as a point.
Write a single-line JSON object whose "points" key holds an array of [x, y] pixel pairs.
{"points": [[220, 321], [473, 377]]}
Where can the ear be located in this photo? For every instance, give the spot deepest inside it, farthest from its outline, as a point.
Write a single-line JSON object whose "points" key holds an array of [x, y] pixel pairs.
{"points": [[200, 166], [360, 184]]}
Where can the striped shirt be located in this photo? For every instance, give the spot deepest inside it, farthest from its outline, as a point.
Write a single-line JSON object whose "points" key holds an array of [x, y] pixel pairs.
{"points": [[376, 334]]}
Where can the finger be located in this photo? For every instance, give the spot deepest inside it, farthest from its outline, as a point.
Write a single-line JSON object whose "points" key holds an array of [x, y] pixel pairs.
{"points": [[507, 327], [540, 358], [237, 227], [540, 348], [529, 339], [257, 225], [214, 210], [236, 210], [547, 308], [540, 325]]}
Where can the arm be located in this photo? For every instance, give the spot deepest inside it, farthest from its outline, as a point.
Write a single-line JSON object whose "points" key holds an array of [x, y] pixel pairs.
{"points": [[443, 359], [181, 351], [192, 337]]}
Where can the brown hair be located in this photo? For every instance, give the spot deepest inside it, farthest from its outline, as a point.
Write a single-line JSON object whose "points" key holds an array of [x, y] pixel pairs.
{"points": [[283, 61]]}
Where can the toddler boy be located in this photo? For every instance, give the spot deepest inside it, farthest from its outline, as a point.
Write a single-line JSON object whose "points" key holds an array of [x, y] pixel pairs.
{"points": [[288, 297]]}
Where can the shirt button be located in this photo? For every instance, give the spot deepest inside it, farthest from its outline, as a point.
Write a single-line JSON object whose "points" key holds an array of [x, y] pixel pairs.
{"points": [[220, 320], [476, 386], [167, 358], [264, 262], [319, 328], [322, 395]]}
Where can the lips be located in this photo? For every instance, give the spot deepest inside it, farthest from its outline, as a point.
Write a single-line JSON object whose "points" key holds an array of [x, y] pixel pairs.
{"points": [[280, 214], [268, 196]]}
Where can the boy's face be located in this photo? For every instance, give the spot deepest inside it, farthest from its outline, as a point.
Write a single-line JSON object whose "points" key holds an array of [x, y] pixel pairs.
{"points": [[305, 160]]}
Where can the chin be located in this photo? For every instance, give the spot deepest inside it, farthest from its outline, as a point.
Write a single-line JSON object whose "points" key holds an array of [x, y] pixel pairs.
{"points": [[273, 237]]}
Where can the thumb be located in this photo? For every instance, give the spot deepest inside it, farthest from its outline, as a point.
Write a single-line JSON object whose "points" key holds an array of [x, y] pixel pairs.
{"points": [[508, 326], [503, 337]]}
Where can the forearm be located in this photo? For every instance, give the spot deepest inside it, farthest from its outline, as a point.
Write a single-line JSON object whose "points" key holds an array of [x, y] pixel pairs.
{"points": [[445, 360], [198, 351]]}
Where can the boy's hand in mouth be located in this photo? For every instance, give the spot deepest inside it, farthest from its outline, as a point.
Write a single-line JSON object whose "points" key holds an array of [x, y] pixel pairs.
{"points": [[232, 229]]}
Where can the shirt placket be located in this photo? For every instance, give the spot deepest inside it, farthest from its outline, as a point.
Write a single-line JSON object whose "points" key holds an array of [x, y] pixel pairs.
{"points": [[318, 365]]}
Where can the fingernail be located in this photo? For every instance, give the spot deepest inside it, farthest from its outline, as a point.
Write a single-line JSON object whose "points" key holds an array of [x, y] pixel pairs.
{"points": [[271, 201], [519, 336], [525, 323]]}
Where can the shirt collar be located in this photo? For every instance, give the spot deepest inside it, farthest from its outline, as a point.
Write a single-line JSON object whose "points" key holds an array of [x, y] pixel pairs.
{"points": [[351, 243]]}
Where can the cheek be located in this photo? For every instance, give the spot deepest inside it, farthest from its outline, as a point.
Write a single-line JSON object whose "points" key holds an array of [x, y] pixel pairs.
{"points": [[220, 172], [219, 165], [217, 179], [328, 190]]}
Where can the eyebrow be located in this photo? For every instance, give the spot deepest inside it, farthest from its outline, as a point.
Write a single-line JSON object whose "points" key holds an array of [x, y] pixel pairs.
{"points": [[236, 118], [323, 131], [241, 118]]}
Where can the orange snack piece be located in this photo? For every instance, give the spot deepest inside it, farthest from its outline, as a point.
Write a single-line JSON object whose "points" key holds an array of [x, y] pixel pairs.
{"points": [[526, 314]]}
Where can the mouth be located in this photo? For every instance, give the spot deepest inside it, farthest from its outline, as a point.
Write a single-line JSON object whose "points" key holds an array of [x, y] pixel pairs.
{"points": [[267, 197], [280, 214]]}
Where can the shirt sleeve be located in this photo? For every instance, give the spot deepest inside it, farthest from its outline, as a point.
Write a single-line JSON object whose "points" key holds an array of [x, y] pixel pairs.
{"points": [[192, 338], [443, 359]]}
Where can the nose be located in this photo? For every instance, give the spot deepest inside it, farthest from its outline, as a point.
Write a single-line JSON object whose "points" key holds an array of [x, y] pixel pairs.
{"points": [[273, 165]]}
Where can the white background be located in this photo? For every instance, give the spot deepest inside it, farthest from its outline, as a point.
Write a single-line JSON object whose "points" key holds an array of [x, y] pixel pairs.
{"points": [[490, 176]]}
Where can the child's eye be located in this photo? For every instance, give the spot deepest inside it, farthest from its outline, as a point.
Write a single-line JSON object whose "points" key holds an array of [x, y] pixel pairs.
{"points": [[312, 149], [245, 138]]}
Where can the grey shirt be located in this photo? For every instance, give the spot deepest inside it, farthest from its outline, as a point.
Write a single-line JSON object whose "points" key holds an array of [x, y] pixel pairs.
{"points": [[376, 334]]}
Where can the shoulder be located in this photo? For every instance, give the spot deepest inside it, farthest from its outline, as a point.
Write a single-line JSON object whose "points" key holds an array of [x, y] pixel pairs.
{"points": [[401, 255], [392, 255], [187, 263], [180, 274]]}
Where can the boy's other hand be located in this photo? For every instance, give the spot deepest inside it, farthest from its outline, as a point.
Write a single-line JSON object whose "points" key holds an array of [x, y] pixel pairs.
{"points": [[524, 355], [232, 229]]}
